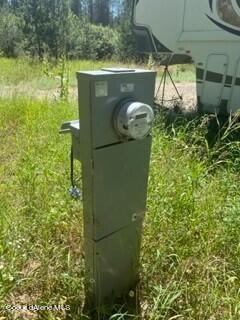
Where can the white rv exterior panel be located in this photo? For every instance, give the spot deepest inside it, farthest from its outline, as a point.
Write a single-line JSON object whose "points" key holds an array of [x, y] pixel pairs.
{"points": [[197, 29], [191, 12]]}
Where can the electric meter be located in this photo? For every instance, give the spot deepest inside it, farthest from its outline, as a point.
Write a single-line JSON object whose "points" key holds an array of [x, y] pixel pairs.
{"points": [[133, 120]]}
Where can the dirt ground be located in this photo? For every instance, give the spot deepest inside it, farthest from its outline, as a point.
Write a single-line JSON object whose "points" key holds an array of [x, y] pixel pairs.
{"points": [[186, 90]]}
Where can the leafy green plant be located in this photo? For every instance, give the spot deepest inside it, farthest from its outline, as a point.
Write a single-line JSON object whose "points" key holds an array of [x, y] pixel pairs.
{"points": [[64, 78]]}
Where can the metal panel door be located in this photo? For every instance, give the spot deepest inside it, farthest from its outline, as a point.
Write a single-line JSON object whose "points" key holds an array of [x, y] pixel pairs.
{"points": [[120, 185]]}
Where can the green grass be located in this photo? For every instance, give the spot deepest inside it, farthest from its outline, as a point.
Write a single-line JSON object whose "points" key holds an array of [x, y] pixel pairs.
{"points": [[25, 77], [43, 75], [190, 261]]}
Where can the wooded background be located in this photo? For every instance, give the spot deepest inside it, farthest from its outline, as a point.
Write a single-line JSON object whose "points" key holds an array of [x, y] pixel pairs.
{"points": [[77, 29]]}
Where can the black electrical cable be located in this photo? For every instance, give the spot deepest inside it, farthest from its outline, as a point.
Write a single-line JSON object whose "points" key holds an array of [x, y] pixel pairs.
{"points": [[74, 191], [72, 167]]}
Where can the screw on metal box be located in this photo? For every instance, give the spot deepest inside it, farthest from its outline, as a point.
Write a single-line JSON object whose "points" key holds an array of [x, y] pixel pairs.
{"points": [[113, 145]]}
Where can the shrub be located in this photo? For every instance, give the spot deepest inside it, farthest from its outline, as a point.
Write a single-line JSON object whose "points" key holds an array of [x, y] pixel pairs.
{"points": [[88, 41]]}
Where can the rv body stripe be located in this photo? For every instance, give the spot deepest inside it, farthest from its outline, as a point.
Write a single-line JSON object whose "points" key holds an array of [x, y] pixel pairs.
{"points": [[237, 82], [216, 77], [225, 28], [200, 73], [211, 4], [229, 80]]}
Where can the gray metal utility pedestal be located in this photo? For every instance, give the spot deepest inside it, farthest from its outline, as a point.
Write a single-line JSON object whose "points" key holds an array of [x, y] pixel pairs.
{"points": [[113, 145]]}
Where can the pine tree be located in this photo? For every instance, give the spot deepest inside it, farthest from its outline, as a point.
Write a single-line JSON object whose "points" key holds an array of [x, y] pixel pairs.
{"points": [[3, 3], [91, 10], [127, 45], [76, 6], [102, 12], [47, 26]]}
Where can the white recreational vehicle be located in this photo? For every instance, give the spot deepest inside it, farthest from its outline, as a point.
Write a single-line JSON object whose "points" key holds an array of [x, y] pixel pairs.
{"points": [[205, 31]]}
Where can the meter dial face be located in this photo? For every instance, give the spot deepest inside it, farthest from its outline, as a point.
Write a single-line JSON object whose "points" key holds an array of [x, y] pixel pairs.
{"points": [[134, 120]]}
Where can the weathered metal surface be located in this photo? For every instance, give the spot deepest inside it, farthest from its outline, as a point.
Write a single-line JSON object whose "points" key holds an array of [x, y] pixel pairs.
{"points": [[115, 178]]}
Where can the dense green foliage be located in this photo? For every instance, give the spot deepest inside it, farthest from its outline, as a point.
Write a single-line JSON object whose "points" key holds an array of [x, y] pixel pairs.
{"points": [[191, 244], [90, 41], [83, 29], [11, 34]]}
